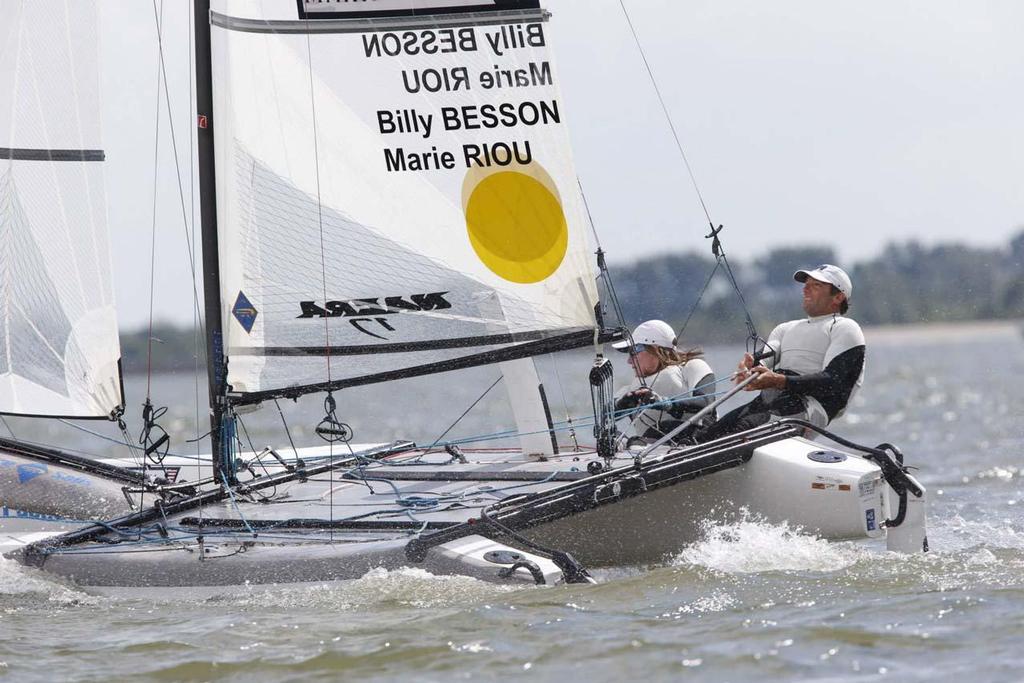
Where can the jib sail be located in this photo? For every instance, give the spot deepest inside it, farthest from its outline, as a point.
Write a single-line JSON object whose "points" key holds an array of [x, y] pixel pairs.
{"points": [[396, 193], [59, 347]]}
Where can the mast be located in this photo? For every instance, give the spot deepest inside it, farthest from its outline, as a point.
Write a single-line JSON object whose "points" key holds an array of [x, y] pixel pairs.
{"points": [[216, 366]]}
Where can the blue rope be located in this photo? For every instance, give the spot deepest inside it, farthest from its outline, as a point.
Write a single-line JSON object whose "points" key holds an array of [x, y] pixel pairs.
{"points": [[566, 425]]}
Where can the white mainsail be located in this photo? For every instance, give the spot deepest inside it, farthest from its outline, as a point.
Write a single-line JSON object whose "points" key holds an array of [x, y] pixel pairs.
{"points": [[396, 194], [59, 347]]}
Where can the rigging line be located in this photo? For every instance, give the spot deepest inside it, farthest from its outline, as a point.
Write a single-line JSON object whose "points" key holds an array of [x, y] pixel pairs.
{"points": [[127, 442], [188, 225], [700, 295], [238, 511], [719, 252], [198, 334], [559, 426], [323, 253], [464, 413], [600, 260], [157, 16], [79, 451], [751, 328], [689, 169], [664, 108], [607, 275], [135, 453], [257, 459], [565, 401], [590, 218], [587, 421], [319, 201], [288, 431]]}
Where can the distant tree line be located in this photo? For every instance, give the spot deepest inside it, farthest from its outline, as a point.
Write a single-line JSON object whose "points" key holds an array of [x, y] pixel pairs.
{"points": [[907, 283], [168, 348]]}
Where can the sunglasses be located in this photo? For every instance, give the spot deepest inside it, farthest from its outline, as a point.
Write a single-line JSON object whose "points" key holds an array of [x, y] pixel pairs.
{"points": [[637, 348]]}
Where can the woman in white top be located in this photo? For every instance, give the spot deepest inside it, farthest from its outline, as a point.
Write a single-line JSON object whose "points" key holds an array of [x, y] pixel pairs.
{"points": [[681, 382]]}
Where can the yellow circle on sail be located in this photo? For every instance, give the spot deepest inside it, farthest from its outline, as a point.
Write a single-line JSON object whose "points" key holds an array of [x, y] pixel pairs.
{"points": [[517, 227]]}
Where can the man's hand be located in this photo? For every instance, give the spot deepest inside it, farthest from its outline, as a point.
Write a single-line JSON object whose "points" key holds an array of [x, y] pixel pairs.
{"points": [[743, 369], [766, 379]]}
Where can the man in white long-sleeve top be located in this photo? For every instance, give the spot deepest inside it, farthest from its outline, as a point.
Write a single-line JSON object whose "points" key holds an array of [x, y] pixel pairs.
{"points": [[818, 361]]}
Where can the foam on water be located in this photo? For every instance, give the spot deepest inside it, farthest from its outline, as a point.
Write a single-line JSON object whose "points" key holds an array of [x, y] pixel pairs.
{"points": [[403, 587], [956, 533], [718, 601], [20, 584], [754, 546]]}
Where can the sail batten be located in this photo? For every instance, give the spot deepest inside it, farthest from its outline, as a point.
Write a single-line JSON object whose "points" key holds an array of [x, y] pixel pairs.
{"points": [[376, 23], [392, 203], [401, 347], [52, 154]]}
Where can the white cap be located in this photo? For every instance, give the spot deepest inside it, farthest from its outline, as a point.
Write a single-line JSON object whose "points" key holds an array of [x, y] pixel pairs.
{"points": [[826, 272], [653, 333]]}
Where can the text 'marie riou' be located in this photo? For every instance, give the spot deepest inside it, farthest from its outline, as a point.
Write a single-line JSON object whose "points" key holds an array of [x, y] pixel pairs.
{"points": [[497, 42]]}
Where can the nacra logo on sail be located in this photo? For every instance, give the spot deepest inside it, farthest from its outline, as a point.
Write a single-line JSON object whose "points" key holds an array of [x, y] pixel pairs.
{"points": [[433, 301]]}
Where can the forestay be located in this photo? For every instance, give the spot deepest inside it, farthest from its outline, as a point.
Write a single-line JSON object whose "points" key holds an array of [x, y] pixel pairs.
{"points": [[59, 347], [396, 193]]}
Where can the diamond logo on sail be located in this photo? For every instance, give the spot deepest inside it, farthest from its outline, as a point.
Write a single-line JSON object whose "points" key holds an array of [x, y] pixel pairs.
{"points": [[244, 312], [516, 223]]}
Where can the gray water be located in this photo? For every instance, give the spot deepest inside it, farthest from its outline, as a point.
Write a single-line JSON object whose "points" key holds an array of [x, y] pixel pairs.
{"points": [[750, 601]]}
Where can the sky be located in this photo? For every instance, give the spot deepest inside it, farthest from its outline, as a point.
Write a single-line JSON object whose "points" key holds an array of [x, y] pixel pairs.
{"points": [[804, 122]]}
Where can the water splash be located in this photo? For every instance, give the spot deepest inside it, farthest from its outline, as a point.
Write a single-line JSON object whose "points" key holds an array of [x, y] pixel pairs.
{"points": [[753, 546], [718, 601], [19, 584]]}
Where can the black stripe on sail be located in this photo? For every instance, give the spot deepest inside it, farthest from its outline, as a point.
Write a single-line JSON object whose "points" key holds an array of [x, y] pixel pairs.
{"points": [[563, 342], [398, 347], [25, 154]]}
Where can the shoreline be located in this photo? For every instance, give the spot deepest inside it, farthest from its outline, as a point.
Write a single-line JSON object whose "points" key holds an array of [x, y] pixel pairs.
{"points": [[942, 331], [881, 335]]}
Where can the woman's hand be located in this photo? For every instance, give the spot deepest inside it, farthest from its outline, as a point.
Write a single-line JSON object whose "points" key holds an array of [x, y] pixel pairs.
{"points": [[637, 397]]}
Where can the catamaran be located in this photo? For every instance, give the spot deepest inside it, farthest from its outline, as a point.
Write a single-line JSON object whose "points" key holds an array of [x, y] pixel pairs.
{"points": [[387, 191]]}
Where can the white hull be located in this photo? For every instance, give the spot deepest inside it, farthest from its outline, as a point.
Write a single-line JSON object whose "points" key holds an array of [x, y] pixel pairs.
{"points": [[778, 484], [329, 528]]}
